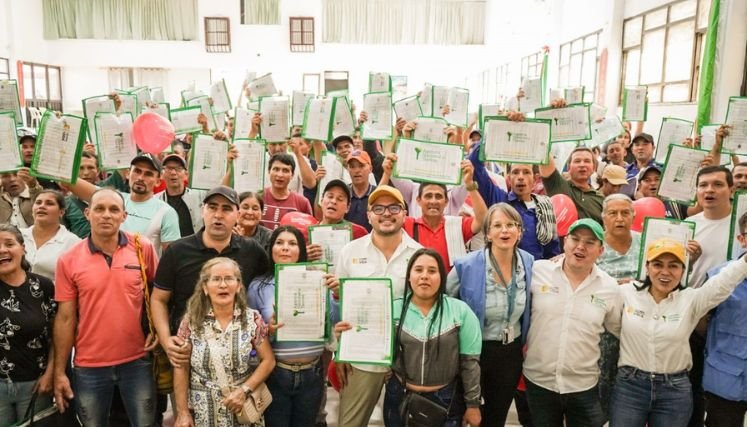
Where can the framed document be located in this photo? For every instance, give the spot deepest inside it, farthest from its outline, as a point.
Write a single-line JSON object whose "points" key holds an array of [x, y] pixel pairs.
{"points": [[205, 108], [738, 208], [207, 162], [58, 147], [93, 105], [378, 107], [426, 100], [574, 95], [487, 110], [263, 86], [672, 132], [431, 129], [275, 126], [408, 108], [424, 161], [219, 94], [367, 304], [185, 120], [379, 82], [606, 130], [680, 173], [344, 123], [242, 123], [708, 140], [114, 141], [532, 99], [656, 228], [249, 166], [10, 149], [458, 107], [319, 119], [736, 117], [570, 123], [9, 100], [299, 106], [332, 238], [635, 104], [301, 301], [516, 142], [334, 170]]}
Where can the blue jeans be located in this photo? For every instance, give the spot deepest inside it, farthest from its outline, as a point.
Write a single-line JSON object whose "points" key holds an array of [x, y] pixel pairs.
{"points": [[659, 400], [15, 398], [93, 388], [296, 397], [549, 408], [395, 393]]}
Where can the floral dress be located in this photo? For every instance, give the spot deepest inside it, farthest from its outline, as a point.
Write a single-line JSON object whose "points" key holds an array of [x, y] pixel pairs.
{"points": [[236, 343]]}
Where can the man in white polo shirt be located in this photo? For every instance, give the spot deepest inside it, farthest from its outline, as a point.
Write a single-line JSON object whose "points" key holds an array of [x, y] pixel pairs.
{"points": [[573, 303], [383, 253]]}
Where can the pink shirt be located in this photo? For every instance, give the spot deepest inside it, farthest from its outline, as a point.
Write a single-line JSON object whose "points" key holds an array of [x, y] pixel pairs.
{"points": [[276, 209]]}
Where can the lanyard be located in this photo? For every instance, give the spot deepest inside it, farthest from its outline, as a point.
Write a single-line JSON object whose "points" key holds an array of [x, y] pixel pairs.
{"points": [[510, 287]]}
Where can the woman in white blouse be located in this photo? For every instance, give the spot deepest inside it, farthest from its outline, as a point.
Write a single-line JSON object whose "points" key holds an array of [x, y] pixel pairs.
{"points": [[658, 317], [47, 239]]}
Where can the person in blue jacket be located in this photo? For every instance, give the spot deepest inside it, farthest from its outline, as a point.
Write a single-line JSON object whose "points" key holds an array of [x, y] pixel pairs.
{"points": [[495, 283]]}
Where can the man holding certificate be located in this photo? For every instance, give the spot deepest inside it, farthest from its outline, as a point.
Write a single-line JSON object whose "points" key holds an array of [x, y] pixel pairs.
{"points": [[16, 198], [383, 253]]}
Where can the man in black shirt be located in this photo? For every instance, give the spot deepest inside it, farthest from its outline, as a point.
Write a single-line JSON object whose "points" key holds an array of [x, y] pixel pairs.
{"points": [[179, 268]]}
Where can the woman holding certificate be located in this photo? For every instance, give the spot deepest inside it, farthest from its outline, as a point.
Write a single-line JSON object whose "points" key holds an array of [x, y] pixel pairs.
{"points": [[652, 385], [222, 331], [296, 383], [250, 217], [495, 283]]}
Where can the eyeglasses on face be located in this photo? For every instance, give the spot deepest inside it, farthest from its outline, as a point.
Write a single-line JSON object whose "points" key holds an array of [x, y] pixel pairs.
{"points": [[380, 209]]}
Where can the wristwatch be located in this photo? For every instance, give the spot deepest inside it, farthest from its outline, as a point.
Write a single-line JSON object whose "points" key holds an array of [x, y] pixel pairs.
{"points": [[246, 389], [472, 187]]}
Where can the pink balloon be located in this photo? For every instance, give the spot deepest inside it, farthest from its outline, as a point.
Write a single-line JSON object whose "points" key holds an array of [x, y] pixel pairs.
{"points": [[565, 212], [300, 220], [152, 133], [647, 207]]}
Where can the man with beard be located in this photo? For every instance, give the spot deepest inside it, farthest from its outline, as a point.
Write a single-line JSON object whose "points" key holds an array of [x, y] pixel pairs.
{"points": [[18, 192], [740, 176], [581, 166]]}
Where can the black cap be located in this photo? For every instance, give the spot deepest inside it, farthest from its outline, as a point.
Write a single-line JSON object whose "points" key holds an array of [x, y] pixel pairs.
{"points": [[340, 139], [24, 134], [227, 192], [339, 184], [644, 136], [149, 158], [475, 131], [176, 158], [652, 167]]}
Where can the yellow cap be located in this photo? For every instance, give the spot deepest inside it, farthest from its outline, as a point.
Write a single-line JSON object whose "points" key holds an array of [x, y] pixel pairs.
{"points": [[385, 190], [663, 246]]}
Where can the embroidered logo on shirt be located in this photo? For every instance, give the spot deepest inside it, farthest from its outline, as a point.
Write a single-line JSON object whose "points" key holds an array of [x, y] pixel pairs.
{"points": [[546, 289], [670, 317], [635, 312], [599, 302], [359, 260]]}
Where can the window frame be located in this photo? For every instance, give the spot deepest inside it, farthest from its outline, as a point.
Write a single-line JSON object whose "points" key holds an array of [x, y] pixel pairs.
{"points": [[346, 79], [302, 47], [589, 96], [5, 75], [211, 46], [527, 65]]}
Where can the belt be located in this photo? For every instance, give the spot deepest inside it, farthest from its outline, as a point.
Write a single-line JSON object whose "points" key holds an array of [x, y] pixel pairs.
{"points": [[654, 376], [295, 367]]}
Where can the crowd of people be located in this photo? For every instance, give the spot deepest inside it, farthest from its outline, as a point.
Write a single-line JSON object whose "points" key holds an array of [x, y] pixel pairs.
{"points": [[101, 278]]}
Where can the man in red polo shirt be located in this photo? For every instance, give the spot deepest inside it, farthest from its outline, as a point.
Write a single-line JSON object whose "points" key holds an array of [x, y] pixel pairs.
{"points": [[448, 235]]}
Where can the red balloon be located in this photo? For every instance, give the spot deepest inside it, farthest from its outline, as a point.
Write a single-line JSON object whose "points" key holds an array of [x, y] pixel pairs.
{"points": [[152, 133], [300, 220], [644, 208], [565, 212], [332, 375]]}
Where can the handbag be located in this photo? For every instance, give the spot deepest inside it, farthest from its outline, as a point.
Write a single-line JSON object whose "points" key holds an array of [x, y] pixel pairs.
{"points": [[417, 410], [257, 401], [49, 417], [162, 370]]}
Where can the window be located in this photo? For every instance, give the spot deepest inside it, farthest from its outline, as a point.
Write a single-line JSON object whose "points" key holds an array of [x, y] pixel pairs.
{"points": [[531, 66], [125, 78], [260, 12], [42, 87], [335, 80], [311, 83], [4, 69], [662, 49], [217, 35], [501, 84], [578, 64], [301, 34]]}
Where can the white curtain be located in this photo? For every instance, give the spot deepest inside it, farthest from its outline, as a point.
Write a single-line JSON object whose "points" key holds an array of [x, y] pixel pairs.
{"points": [[261, 12], [404, 21]]}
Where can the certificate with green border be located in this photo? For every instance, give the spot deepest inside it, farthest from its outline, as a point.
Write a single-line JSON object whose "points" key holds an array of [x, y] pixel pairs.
{"points": [[736, 117], [379, 82], [208, 161], [301, 301], [58, 147], [408, 108], [114, 141], [332, 238], [319, 119], [9, 100], [367, 304], [275, 125], [221, 99], [93, 105], [635, 104], [569, 123], [679, 177], [378, 107], [185, 120], [334, 168], [574, 95], [656, 228], [248, 171], [672, 132], [487, 110], [738, 209], [505, 140], [424, 161], [10, 150]]}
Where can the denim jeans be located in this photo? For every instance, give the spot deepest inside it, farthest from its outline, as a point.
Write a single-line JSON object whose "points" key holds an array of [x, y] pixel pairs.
{"points": [[296, 397], [15, 397], [395, 394], [659, 400], [549, 409], [93, 389]]}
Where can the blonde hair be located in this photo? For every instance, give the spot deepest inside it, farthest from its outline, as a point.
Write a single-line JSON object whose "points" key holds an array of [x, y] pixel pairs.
{"points": [[199, 303]]}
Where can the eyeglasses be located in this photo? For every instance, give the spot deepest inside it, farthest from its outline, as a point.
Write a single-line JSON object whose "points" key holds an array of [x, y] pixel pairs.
{"points": [[575, 241], [380, 209], [510, 226], [173, 168], [217, 280]]}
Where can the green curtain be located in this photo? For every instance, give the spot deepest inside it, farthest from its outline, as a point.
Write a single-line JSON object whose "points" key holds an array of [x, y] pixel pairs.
{"points": [[120, 19], [705, 87], [261, 12]]}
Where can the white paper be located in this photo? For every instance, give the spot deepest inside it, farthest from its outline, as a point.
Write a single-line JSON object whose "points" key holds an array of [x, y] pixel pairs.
{"points": [[597, 112], [332, 238], [736, 117], [679, 176], [116, 146], [160, 109], [428, 162], [10, 150], [574, 95], [221, 100], [634, 107], [318, 119], [9, 99], [205, 108], [379, 82], [606, 130], [656, 228], [489, 110], [569, 123], [299, 106], [242, 122], [263, 86], [673, 132], [708, 140], [333, 170], [275, 125], [344, 123], [91, 106], [129, 104], [191, 93], [430, 129], [532, 98], [561, 152], [301, 305], [208, 159], [249, 166], [739, 207], [367, 305], [59, 142], [426, 96], [408, 108], [185, 120], [156, 95], [378, 107], [520, 142], [458, 107], [439, 98]]}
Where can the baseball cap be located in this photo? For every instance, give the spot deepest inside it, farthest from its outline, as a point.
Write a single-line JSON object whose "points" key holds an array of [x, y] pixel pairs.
{"points": [[475, 131], [339, 184], [647, 169], [589, 223], [646, 137], [25, 133], [221, 190], [615, 175], [148, 158], [360, 156], [663, 246], [176, 158], [385, 190], [340, 139]]}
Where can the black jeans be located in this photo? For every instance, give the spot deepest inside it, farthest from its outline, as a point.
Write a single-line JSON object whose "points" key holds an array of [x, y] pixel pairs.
{"points": [[697, 348], [549, 408], [724, 413], [500, 369]]}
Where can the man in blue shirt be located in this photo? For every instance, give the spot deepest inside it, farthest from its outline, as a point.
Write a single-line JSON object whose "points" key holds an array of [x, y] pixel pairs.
{"points": [[642, 147]]}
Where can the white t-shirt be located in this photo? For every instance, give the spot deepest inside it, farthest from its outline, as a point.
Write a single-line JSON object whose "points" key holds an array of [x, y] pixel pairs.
{"points": [[711, 234]]}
